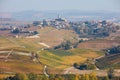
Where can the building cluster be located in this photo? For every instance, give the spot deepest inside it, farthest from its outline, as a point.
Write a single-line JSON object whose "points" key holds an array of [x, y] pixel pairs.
{"points": [[16, 30], [97, 28], [94, 28], [82, 28], [59, 23]]}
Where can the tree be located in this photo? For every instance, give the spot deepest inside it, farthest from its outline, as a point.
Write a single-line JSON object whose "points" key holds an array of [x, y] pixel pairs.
{"points": [[111, 73], [82, 77], [52, 76], [32, 76], [87, 77], [67, 45], [60, 78], [106, 78], [21, 76], [15, 31], [44, 78], [77, 77], [76, 65], [93, 76], [35, 32]]}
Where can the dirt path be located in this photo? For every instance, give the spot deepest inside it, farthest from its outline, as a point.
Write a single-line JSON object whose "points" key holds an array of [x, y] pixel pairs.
{"points": [[14, 52], [68, 70], [34, 36], [73, 70], [44, 44]]}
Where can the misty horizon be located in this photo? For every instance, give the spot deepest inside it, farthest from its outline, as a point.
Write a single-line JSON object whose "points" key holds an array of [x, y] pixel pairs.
{"points": [[80, 5]]}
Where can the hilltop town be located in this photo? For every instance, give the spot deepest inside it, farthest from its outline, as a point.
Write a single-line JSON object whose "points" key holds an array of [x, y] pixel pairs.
{"points": [[85, 29]]}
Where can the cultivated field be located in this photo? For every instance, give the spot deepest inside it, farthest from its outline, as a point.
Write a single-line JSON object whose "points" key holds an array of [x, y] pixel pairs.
{"points": [[112, 60], [53, 37], [48, 36], [98, 44], [55, 60]]}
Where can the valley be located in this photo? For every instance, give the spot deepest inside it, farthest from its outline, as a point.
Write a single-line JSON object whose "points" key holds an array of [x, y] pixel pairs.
{"points": [[61, 50]]}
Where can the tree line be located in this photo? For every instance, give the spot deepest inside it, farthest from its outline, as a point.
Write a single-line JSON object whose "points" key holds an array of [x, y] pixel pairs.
{"points": [[32, 76]]}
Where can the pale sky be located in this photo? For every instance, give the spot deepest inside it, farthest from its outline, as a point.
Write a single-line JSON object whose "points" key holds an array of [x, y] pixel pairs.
{"points": [[43, 5]]}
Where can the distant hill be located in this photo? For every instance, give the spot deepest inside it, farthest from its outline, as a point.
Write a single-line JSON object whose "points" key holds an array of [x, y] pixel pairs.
{"points": [[5, 15]]}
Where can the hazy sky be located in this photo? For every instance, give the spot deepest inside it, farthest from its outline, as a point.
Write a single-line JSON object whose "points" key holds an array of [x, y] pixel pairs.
{"points": [[40, 5]]}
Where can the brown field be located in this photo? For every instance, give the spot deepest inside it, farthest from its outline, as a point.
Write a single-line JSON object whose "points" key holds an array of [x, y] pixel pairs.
{"points": [[19, 63], [98, 44]]}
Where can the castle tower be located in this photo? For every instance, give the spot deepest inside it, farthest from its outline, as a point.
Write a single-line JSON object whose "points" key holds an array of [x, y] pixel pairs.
{"points": [[58, 16]]}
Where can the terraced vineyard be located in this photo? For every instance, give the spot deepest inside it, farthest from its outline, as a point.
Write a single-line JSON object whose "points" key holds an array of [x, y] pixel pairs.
{"points": [[63, 59], [55, 60], [112, 60], [19, 63]]}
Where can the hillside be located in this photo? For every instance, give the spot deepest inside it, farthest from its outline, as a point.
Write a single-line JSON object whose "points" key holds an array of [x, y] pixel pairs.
{"points": [[112, 60], [53, 37], [47, 37], [98, 44], [19, 44], [56, 60], [115, 36], [68, 58], [19, 63]]}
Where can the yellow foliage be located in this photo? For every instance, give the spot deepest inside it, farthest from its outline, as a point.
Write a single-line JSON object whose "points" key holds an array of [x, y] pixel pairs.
{"points": [[72, 59]]}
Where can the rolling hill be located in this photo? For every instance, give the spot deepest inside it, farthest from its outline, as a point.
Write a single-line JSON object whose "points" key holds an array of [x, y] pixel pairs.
{"points": [[56, 60], [47, 36]]}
